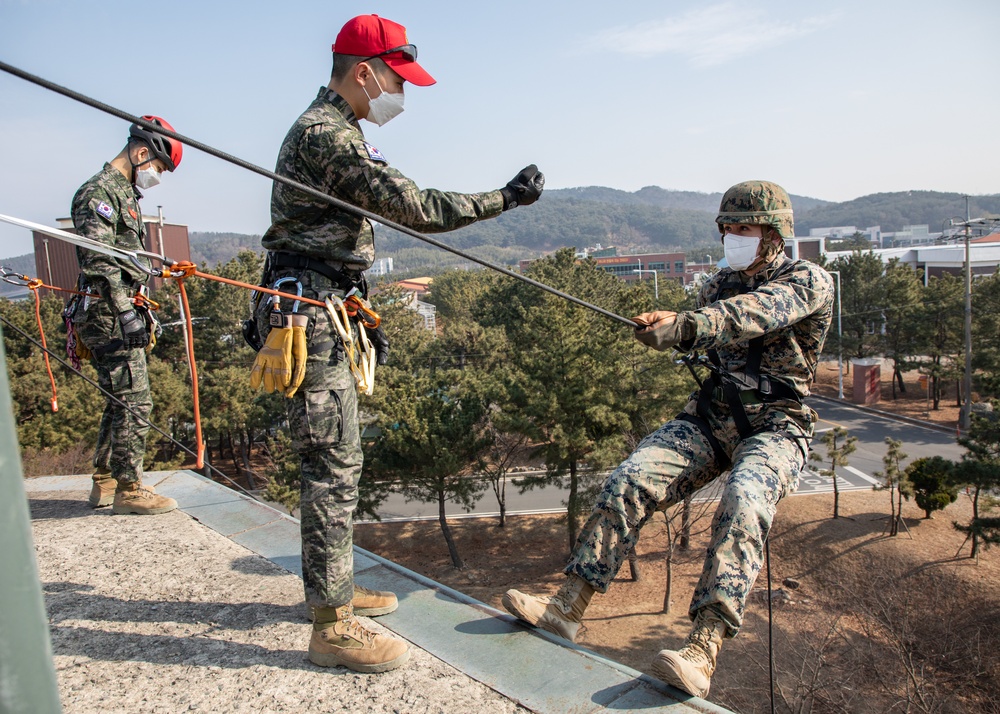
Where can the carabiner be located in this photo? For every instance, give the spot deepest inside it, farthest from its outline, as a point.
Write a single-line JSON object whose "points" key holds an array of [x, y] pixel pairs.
{"points": [[358, 307], [298, 289]]}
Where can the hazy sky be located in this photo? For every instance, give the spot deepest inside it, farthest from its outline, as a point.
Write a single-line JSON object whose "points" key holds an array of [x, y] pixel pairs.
{"points": [[833, 100]]}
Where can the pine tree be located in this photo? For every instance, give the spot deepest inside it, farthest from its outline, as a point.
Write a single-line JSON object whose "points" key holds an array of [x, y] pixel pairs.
{"points": [[894, 479], [839, 445]]}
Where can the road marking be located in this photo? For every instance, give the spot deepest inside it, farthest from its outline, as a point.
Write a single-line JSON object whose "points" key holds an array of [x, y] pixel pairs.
{"points": [[829, 421], [863, 475]]}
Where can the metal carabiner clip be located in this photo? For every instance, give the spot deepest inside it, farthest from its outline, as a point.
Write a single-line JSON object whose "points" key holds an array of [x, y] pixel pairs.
{"points": [[282, 281], [358, 307]]}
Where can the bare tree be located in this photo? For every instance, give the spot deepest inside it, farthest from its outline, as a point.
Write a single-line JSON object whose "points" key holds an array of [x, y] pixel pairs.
{"points": [[504, 447], [684, 520]]}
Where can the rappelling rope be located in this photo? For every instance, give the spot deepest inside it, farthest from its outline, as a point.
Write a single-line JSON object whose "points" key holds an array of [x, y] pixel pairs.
{"points": [[343, 205], [34, 285], [196, 402]]}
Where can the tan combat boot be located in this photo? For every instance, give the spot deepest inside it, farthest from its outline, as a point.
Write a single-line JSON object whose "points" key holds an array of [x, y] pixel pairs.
{"points": [[103, 491], [142, 500], [367, 603], [560, 614], [339, 639], [690, 668]]}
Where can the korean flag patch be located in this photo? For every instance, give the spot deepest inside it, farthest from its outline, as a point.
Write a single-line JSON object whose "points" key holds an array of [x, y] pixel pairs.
{"points": [[374, 154], [105, 210]]}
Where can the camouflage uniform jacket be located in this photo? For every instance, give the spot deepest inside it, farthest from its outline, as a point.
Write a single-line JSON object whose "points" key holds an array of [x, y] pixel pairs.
{"points": [[106, 209], [792, 311], [325, 149]]}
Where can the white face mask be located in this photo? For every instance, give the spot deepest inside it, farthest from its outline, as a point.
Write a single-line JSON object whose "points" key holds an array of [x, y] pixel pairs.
{"points": [[741, 251], [383, 107], [147, 177]]}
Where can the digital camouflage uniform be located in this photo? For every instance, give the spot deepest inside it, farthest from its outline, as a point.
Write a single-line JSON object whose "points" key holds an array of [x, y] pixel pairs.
{"points": [[326, 149], [793, 313], [106, 209]]}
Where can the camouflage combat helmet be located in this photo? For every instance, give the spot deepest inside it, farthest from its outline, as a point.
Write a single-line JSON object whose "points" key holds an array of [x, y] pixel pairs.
{"points": [[759, 203]]}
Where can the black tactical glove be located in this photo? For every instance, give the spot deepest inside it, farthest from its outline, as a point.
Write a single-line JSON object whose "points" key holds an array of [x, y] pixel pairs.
{"points": [[524, 189], [381, 344], [134, 333]]}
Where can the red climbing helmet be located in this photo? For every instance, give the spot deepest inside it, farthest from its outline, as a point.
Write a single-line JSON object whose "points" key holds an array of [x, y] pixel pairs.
{"points": [[169, 151]]}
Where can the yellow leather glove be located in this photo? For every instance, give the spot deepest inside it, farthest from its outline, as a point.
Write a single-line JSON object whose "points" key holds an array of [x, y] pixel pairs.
{"points": [[82, 351], [299, 353], [273, 366], [153, 327]]}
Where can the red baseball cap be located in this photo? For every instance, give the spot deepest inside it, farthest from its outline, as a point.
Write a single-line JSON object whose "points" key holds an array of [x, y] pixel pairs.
{"points": [[372, 36]]}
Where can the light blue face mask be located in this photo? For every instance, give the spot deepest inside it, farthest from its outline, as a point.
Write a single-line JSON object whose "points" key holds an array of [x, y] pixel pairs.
{"points": [[383, 107]]}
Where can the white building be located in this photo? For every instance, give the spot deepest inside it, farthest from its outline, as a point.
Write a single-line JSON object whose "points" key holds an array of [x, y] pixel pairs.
{"points": [[935, 260]]}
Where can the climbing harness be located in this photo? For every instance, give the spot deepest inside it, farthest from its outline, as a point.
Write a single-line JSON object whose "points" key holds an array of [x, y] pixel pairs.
{"points": [[737, 390]]}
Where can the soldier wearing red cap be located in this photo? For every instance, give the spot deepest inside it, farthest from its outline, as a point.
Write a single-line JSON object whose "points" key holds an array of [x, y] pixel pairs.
{"points": [[327, 250], [116, 332]]}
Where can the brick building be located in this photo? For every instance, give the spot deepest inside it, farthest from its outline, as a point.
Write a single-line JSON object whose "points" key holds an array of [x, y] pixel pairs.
{"points": [[56, 263]]}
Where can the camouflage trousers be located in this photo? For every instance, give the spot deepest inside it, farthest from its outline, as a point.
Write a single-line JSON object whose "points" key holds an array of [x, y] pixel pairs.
{"points": [[121, 437], [670, 465], [323, 420]]}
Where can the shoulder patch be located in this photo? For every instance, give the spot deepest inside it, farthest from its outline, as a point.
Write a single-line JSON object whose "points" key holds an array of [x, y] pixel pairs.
{"points": [[374, 154], [105, 210]]}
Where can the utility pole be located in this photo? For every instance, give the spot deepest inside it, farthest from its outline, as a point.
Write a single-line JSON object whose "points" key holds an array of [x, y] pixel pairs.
{"points": [[965, 420], [965, 417], [840, 341]]}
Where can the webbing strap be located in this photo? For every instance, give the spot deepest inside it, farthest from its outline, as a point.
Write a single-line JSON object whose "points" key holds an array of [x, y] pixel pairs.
{"points": [[705, 428]]}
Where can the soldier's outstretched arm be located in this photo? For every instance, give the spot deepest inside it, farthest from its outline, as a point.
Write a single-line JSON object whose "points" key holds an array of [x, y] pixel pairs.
{"points": [[803, 293]]}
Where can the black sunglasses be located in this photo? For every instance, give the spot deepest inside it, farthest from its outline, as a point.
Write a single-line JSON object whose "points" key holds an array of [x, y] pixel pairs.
{"points": [[409, 53]]}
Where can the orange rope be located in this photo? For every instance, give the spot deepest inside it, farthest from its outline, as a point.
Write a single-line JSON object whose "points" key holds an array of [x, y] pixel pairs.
{"points": [[258, 288], [178, 271], [199, 442], [33, 286]]}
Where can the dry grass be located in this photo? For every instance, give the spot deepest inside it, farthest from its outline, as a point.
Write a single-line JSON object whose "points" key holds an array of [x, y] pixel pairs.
{"points": [[877, 624]]}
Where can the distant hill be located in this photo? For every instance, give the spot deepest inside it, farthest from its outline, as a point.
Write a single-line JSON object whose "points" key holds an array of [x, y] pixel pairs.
{"points": [[893, 211], [213, 248], [649, 219], [24, 264]]}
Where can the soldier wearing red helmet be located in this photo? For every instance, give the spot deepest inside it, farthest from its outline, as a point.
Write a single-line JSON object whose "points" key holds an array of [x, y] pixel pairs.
{"points": [[111, 329], [327, 250]]}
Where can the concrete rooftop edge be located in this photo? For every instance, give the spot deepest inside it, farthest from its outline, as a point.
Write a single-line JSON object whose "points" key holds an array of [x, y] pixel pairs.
{"points": [[542, 672]]}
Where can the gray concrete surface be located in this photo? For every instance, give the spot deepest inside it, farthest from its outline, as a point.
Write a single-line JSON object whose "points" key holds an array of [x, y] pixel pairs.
{"points": [[200, 610]]}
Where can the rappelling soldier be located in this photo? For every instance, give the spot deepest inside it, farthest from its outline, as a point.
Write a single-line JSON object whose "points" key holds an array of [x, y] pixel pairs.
{"points": [[325, 250], [760, 323], [116, 328]]}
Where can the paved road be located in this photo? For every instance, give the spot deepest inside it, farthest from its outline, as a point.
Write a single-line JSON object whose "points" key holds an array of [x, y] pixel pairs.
{"points": [[870, 429]]}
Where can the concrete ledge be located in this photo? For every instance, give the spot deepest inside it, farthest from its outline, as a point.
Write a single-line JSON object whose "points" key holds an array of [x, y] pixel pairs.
{"points": [[539, 671]]}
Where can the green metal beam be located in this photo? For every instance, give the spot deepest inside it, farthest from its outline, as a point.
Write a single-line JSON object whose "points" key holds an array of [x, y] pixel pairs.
{"points": [[27, 674]]}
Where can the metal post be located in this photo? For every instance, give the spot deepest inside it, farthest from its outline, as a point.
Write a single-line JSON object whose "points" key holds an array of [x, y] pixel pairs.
{"points": [[840, 341], [159, 211], [656, 284], [966, 415], [28, 679]]}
